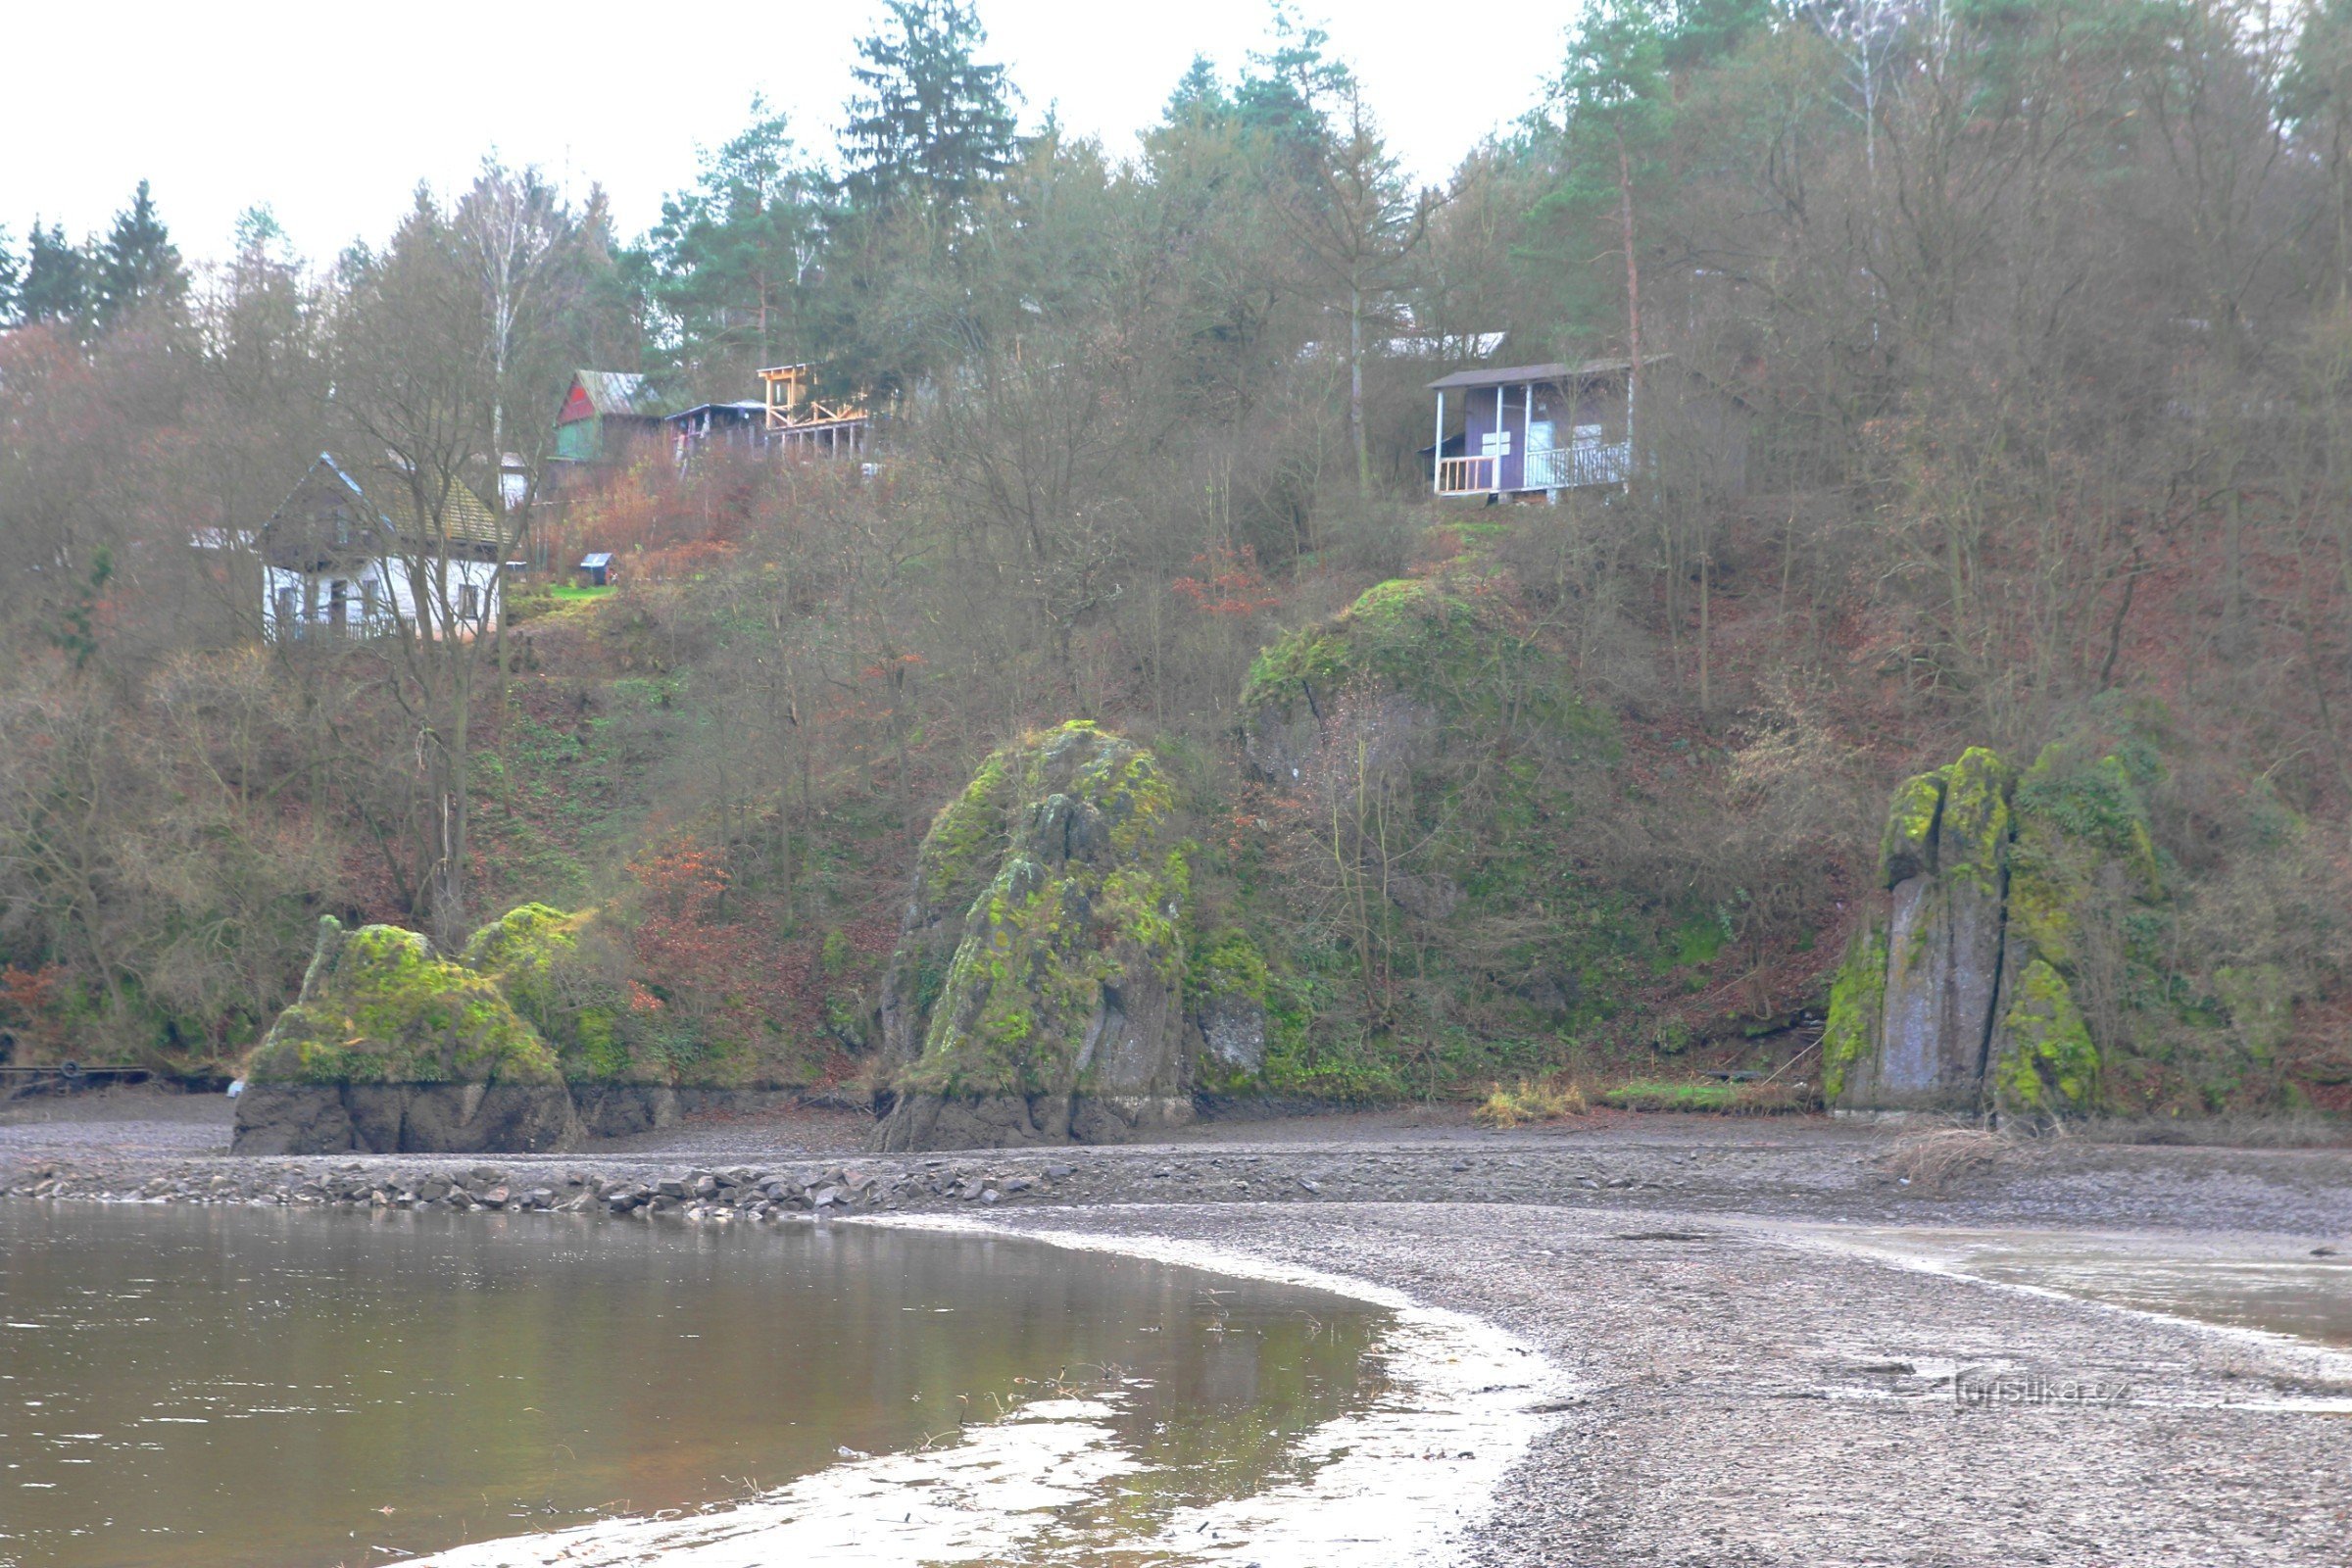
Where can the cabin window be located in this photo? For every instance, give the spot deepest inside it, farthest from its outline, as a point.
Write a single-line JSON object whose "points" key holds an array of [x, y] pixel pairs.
{"points": [[367, 593], [469, 602], [338, 602], [342, 529]]}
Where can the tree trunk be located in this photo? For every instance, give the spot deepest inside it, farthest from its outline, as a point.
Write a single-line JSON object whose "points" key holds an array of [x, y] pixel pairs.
{"points": [[1355, 388], [1633, 303]]}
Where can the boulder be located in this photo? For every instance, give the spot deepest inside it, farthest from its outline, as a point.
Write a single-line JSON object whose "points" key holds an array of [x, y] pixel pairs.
{"points": [[1036, 993], [391, 1047]]}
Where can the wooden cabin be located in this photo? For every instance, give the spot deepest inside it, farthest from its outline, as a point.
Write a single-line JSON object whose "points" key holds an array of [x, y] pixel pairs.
{"points": [[722, 426], [607, 416], [343, 559], [1522, 431]]}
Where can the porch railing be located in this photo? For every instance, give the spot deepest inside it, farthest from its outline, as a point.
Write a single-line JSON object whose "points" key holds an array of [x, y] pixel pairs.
{"points": [[1578, 465], [1570, 467], [1468, 476]]}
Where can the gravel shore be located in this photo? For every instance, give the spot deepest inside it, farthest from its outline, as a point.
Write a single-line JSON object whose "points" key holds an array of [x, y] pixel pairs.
{"points": [[1747, 1390]]}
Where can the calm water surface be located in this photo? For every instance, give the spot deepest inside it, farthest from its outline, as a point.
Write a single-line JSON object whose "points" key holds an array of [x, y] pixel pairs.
{"points": [[2275, 1283], [265, 1387], [2282, 1288]]}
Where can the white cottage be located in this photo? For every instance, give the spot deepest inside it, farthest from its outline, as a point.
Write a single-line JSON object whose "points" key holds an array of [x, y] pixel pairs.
{"points": [[339, 560]]}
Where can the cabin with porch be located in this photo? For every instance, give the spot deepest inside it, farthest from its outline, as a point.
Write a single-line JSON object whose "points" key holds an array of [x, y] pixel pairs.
{"points": [[1527, 432], [343, 559]]}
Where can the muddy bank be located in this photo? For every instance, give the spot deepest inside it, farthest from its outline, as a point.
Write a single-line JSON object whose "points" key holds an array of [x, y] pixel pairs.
{"points": [[1746, 1397]]}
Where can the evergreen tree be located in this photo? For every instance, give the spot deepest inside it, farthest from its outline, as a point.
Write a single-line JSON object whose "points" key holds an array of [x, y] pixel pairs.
{"points": [[731, 253], [139, 266], [12, 277], [931, 124], [1289, 95], [1198, 96], [58, 279], [1615, 104]]}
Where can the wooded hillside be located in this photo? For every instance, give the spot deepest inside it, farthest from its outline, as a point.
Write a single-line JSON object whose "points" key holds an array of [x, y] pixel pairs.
{"points": [[2040, 321]]}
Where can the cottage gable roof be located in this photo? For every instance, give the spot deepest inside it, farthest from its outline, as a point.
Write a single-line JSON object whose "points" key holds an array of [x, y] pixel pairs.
{"points": [[377, 520], [622, 393]]}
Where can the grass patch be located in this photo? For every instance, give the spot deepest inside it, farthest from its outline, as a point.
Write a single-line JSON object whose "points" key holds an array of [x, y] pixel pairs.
{"points": [[572, 593], [1727, 1099], [1529, 1102]]}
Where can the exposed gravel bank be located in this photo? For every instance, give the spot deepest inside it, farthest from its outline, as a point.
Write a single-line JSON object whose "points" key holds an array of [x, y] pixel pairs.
{"points": [[1747, 1396]]}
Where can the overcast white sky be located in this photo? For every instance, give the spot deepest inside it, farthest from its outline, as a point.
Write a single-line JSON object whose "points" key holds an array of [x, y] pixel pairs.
{"points": [[330, 114]]}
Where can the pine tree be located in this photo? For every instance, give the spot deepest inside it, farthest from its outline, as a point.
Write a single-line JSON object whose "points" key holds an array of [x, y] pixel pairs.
{"points": [[56, 279], [732, 252], [1616, 105], [138, 265], [12, 278], [1291, 93], [932, 124]]}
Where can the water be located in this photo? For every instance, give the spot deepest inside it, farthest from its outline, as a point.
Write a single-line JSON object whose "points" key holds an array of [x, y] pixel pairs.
{"points": [[2275, 1284], [2281, 1287], [265, 1387]]}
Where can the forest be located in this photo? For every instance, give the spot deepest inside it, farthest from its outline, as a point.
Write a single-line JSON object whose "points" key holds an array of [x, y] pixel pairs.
{"points": [[2039, 316]]}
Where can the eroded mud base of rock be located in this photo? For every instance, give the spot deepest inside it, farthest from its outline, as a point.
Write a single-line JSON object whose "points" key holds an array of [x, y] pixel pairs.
{"points": [[1019, 1121]]}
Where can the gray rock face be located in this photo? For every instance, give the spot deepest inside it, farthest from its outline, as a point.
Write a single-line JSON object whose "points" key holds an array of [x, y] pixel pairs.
{"points": [[403, 1119], [1233, 1034], [1943, 972], [622, 1110], [1944, 854]]}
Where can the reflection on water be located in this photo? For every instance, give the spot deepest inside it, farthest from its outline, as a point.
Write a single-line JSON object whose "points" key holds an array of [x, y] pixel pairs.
{"points": [[263, 1386]]}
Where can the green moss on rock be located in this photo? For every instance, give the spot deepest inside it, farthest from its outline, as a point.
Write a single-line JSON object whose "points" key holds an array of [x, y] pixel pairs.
{"points": [[1973, 829], [1085, 903], [379, 1007], [1907, 845], [567, 975], [1857, 999], [2048, 1063]]}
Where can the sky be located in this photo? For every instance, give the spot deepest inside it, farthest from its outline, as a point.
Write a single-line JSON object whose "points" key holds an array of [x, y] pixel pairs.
{"points": [[332, 114]]}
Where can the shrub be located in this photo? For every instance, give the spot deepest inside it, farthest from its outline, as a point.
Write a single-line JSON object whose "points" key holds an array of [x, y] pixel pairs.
{"points": [[1529, 1102]]}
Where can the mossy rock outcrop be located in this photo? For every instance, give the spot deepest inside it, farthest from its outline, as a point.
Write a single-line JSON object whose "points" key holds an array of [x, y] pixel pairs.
{"points": [[1960, 995], [391, 1047], [568, 975], [1035, 993], [1434, 653]]}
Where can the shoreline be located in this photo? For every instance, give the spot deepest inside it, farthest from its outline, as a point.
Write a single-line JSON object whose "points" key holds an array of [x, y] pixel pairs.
{"points": [[1734, 1390], [1408, 1478]]}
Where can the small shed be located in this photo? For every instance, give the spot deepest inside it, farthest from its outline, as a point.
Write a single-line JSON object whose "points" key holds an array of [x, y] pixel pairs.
{"points": [[595, 569]]}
